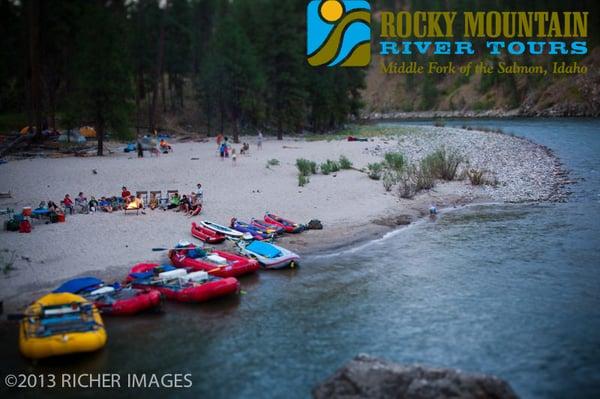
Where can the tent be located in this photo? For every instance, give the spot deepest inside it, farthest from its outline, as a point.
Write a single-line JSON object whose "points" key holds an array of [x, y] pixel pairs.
{"points": [[88, 132], [25, 130], [148, 143], [73, 137]]}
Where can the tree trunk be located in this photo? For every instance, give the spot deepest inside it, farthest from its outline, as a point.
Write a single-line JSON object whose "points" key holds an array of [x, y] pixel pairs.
{"points": [[222, 115], [34, 60], [159, 63], [236, 129], [100, 134], [138, 94], [163, 89], [279, 130]]}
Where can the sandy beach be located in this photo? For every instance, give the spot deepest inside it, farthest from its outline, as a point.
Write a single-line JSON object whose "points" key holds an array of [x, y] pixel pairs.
{"points": [[351, 206]]}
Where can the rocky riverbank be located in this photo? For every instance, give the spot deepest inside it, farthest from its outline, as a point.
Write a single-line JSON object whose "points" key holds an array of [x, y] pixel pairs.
{"points": [[369, 377]]}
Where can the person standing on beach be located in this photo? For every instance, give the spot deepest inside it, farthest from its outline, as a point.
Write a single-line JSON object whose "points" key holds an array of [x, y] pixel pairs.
{"points": [[199, 193], [226, 147], [259, 140], [140, 150]]}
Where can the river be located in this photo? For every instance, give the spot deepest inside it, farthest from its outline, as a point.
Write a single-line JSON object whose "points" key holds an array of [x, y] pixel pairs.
{"points": [[512, 290]]}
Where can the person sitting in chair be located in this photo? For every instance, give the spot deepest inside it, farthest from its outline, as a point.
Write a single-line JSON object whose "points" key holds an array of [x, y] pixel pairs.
{"points": [[68, 204], [82, 203], [164, 146]]}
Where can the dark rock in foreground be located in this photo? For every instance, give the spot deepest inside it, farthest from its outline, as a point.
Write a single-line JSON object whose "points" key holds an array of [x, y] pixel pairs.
{"points": [[369, 377]]}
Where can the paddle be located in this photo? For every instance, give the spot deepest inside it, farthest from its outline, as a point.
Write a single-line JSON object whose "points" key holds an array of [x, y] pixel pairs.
{"points": [[158, 249]]}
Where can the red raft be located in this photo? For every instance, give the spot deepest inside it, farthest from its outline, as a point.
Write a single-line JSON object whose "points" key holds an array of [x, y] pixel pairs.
{"points": [[178, 285], [149, 299], [287, 225], [207, 235], [217, 263], [112, 299]]}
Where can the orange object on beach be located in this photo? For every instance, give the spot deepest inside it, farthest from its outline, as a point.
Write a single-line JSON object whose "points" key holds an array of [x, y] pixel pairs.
{"points": [[60, 217], [27, 211]]}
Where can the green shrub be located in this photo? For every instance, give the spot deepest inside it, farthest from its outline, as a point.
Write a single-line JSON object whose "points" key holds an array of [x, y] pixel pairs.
{"points": [[389, 179], [394, 161], [303, 180], [273, 162], [374, 170], [329, 166], [306, 167], [442, 164], [413, 180], [475, 177], [345, 162], [7, 260]]}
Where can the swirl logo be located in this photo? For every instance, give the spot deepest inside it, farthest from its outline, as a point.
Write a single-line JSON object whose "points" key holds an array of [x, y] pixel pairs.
{"points": [[338, 33]]}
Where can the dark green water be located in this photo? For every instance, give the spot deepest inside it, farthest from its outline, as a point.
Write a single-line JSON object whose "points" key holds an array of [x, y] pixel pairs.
{"points": [[511, 290]]}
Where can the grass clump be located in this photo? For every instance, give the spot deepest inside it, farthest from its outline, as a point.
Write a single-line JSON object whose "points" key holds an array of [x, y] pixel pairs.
{"points": [[272, 162], [306, 167], [476, 177], [7, 261], [389, 179], [329, 166], [344, 162], [394, 161], [415, 179], [442, 164], [303, 180], [374, 170]]}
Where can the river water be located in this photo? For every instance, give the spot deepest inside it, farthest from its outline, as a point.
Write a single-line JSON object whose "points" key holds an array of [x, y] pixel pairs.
{"points": [[512, 290]]}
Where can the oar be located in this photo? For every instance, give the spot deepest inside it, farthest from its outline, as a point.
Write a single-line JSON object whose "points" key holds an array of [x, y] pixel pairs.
{"points": [[157, 249]]}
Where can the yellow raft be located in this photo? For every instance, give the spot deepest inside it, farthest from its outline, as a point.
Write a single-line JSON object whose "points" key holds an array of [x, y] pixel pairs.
{"points": [[60, 324]]}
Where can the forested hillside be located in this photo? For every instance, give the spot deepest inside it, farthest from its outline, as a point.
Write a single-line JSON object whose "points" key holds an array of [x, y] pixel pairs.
{"points": [[234, 66], [136, 66], [560, 95]]}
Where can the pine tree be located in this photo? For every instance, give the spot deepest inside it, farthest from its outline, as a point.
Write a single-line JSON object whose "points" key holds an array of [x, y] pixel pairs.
{"points": [[102, 86]]}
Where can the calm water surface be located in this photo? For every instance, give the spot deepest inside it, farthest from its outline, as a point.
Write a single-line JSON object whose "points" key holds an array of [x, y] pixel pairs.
{"points": [[511, 290]]}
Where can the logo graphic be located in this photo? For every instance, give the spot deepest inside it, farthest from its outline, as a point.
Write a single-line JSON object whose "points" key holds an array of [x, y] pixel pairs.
{"points": [[338, 33]]}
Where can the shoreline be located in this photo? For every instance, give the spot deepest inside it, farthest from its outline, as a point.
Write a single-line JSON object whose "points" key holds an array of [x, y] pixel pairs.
{"points": [[346, 223], [469, 114]]}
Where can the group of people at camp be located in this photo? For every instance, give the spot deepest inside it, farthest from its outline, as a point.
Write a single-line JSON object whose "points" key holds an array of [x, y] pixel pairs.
{"points": [[226, 149], [190, 204], [105, 203]]}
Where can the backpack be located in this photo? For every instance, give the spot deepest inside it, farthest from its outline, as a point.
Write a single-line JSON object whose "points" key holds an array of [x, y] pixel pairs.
{"points": [[12, 225], [25, 227], [53, 217], [315, 224]]}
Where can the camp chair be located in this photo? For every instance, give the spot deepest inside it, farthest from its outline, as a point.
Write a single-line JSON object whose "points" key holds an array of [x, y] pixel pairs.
{"points": [[157, 194], [82, 206], [144, 195], [171, 192]]}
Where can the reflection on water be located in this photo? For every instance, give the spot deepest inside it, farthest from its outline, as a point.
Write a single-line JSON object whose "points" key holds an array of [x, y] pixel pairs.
{"points": [[506, 289]]}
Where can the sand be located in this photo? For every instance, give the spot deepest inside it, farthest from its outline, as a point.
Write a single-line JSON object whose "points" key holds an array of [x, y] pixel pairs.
{"points": [[351, 206]]}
